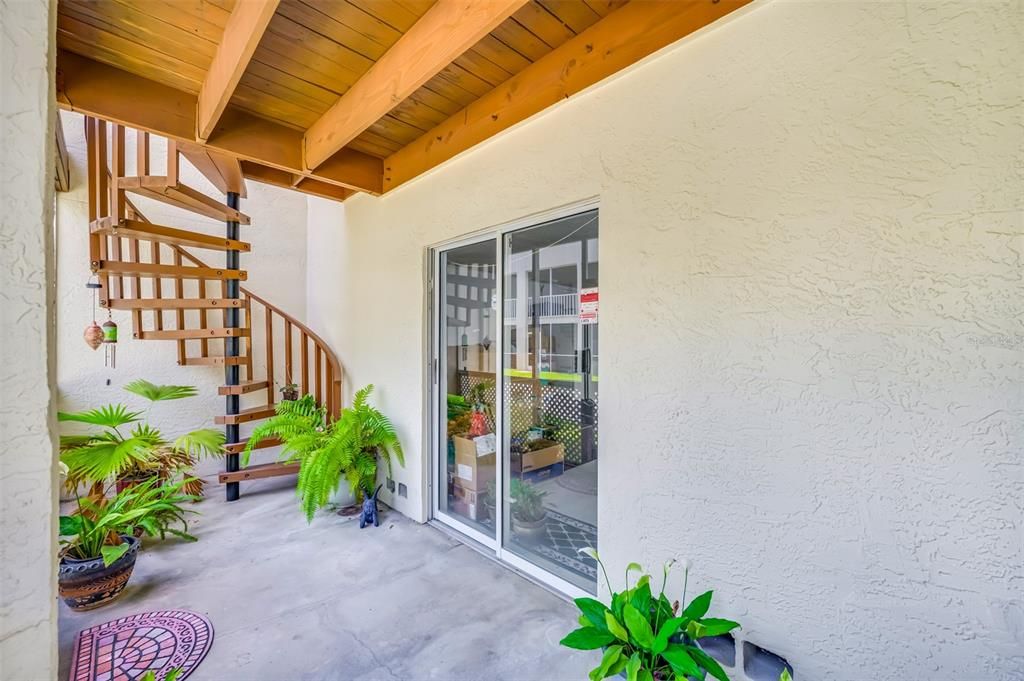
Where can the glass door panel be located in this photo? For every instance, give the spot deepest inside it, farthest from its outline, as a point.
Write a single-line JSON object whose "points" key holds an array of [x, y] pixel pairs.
{"points": [[549, 384], [466, 313]]}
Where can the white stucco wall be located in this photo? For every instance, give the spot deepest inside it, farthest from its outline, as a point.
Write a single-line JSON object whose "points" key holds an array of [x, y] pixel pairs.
{"points": [[276, 267], [28, 524], [811, 225]]}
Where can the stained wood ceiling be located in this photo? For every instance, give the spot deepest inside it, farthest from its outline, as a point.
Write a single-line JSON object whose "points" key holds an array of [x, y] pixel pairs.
{"points": [[266, 80]]}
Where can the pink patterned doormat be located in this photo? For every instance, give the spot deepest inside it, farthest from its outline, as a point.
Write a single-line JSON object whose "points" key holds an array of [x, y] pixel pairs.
{"points": [[126, 648]]}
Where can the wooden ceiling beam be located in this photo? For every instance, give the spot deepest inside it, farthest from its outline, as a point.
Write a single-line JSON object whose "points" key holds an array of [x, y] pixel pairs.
{"points": [[622, 38], [222, 170], [447, 30], [256, 139], [109, 93], [242, 33], [306, 185]]}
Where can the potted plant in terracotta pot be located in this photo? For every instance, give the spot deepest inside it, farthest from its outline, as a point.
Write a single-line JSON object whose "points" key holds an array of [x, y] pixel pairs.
{"points": [[141, 453], [529, 516], [289, 391], [99, 542]]}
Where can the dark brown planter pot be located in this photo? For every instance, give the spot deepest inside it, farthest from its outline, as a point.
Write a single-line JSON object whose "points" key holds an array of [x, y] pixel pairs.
{"points": [[290, 395], [87, 584]]}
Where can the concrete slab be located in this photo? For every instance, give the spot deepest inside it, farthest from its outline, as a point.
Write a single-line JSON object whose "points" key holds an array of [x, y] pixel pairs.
{"points": [[330, 601]]}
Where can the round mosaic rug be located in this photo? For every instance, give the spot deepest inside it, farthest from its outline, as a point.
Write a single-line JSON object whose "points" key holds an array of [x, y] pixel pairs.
{"points": [[126, 648]]}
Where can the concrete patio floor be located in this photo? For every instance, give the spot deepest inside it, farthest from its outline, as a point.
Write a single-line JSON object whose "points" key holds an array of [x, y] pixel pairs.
{"points": [[330, 601]]}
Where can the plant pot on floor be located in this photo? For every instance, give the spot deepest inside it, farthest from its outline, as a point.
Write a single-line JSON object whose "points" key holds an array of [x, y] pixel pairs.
{"points": [[344, 499], [530, 532], [87, 584]]}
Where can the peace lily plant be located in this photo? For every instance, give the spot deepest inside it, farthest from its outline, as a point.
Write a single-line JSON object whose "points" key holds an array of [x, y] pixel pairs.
{"points": [[645, 636]]}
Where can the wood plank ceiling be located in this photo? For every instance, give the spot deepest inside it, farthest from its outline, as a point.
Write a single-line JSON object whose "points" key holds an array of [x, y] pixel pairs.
{"points": [[265, 80]]}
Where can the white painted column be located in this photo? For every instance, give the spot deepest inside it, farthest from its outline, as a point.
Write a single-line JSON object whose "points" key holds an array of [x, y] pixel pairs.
{"points": [[28, 496]]}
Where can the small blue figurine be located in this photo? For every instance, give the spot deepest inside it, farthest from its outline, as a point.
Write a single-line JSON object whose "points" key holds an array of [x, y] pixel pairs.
{"points": [[369, 514]]}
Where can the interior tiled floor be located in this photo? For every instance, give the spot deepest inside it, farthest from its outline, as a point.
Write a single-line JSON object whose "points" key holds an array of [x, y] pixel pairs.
{"points": [[330, 601]]}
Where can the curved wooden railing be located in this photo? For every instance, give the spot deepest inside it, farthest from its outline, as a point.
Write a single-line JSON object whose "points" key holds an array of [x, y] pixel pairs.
{"points": [[324, 373]]}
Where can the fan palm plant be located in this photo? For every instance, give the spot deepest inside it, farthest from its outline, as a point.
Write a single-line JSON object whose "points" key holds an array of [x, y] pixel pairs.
{"points": [[328, 451], [141, 452]]}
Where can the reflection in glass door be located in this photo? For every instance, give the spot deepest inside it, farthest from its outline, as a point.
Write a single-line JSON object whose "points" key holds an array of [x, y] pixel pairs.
{"points": [[466, 316], [549, 382]]}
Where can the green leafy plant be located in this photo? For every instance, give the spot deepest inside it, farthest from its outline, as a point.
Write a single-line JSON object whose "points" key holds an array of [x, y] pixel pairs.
{"points": [[527, 501], [143, 451], [457, 406], [97, 528], [646, 636], [348, 447], [785, 675]]}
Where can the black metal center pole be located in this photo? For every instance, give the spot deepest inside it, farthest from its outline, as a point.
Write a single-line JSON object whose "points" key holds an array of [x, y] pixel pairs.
{"points": [[231, 350]]}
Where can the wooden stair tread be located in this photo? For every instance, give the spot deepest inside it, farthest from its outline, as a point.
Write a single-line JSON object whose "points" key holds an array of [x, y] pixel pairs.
{"points": [[188, 334], [182, 196], [263, 470], [237, 447], [175, 303], [242, 388], [214, 361], [137, 229], [246, 415], [141, 269]]}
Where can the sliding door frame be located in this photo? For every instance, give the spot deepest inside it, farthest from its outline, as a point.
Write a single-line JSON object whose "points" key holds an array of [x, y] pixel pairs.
{"points": [[434, 318]]}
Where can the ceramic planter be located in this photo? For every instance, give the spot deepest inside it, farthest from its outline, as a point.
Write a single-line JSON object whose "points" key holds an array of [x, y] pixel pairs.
{"points": [[87, 584], [290, 395], [530, 532], [344, 499]]}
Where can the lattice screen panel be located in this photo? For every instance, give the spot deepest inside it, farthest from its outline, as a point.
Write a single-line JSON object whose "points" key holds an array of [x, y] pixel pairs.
{"points": [[560, 400]]}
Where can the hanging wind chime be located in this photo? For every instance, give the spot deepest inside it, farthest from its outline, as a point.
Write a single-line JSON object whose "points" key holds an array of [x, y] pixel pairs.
{"points": [[106, 335]]}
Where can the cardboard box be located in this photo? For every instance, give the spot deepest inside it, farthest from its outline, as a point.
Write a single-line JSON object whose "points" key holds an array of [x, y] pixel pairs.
{"points": [[468, 503], [540, 464], [540, 474], [550, 455], [475, 462]]}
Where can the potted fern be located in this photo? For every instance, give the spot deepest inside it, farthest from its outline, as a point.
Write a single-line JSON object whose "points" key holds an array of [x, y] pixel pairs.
{"points": [[141, 453], [100, 544], [327, 451]]}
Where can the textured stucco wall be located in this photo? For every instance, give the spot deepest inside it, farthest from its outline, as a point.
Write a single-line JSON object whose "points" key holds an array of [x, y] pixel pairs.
{"points": [[28, 614], [811, 224], [276, 267]]}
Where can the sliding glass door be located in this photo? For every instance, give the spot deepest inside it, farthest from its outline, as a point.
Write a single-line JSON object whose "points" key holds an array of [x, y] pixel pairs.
{"points": [[466, 364], [515, 402], [549, 378]]}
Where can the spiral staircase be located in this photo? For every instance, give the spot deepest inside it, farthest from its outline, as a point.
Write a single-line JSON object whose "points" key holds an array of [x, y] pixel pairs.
{"points": [[173, 295]]}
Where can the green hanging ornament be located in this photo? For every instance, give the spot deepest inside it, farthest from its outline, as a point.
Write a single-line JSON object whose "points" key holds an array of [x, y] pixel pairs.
{"points": [[110, 342]]}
